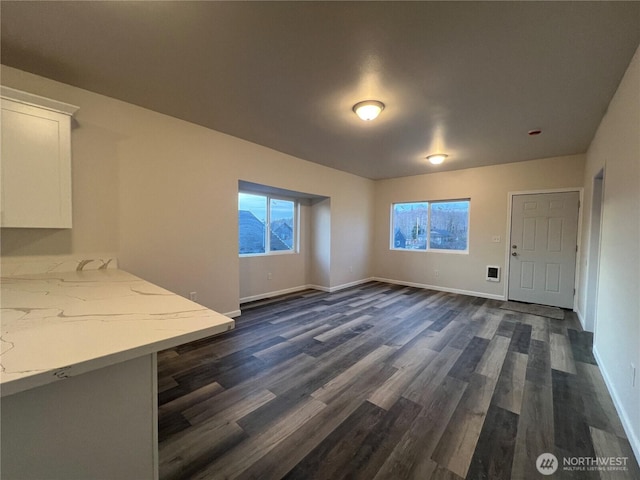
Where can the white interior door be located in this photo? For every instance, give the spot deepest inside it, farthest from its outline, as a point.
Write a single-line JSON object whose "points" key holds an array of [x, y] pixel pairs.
{"points": [[544, 233]]}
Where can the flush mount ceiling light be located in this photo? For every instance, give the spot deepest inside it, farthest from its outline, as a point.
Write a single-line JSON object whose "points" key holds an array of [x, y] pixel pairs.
{"points": [[368, 110], [437, 158]]}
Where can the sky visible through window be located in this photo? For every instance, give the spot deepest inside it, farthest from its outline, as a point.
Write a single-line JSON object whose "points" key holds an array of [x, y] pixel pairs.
{"points": [[254, 215], [281, 210], [256, 204]]}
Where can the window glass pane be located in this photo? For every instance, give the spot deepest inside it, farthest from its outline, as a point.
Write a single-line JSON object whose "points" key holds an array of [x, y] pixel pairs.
{"points": [[282, 213], [449, 225], [252, 215], [410, 226]]}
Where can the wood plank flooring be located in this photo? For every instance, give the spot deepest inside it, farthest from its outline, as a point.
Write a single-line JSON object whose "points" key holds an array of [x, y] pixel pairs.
{"points": [[385, 382]]}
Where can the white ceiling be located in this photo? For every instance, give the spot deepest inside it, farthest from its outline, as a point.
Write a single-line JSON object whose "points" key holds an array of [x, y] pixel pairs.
{"points": [[466, 78]]}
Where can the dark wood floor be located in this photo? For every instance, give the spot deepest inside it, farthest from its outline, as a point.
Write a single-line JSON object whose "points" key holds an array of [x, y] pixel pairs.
{"points": [[386, 382]]}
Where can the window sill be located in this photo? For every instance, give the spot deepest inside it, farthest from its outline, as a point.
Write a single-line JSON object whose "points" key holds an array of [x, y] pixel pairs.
{"points": [[270, 254], [431, 250]]}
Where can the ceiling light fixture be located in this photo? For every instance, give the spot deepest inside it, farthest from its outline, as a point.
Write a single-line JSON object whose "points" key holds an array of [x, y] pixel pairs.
{"points": [[368, 110], [437, 158]]}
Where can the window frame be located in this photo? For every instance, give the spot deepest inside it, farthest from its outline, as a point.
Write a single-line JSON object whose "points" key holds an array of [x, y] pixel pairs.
{"points": [[296, 225], [429, 248]]}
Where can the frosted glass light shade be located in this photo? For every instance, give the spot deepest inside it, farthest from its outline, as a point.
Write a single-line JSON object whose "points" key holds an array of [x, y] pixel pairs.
{"points": [[437, 158], [368, 110]]}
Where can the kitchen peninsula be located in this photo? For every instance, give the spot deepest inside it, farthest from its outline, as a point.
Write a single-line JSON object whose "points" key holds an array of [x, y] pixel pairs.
{"points": [[78, 367]]}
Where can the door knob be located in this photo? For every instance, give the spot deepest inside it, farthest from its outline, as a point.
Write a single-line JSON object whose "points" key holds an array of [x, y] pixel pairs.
{"points": [[514, 254]]}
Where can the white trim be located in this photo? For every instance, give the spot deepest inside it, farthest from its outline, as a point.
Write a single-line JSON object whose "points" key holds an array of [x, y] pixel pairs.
{"points": [[432, 250], [300, 288], [37, 101], [593, 315], [634, 440], [269, 254], [276, 293], [336, 288], [580, 317], [232, 314], [347, 285], [510, 195], [441, 289], [319, 287]]}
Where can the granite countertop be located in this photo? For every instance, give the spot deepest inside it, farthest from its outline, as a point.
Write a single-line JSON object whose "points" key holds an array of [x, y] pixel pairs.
{"points": [[59, 324]]}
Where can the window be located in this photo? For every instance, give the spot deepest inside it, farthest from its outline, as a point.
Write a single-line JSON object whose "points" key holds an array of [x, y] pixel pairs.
{"points": [[265, 224], [440, 226], [410, 225]]}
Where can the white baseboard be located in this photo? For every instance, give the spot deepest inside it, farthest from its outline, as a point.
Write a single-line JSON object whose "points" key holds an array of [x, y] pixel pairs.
{"points": [[350, 284], [624, 418], [319, 287], [441, 289], [580, 317], [275, 293], [355, 283], [300, 288], [233, 314]]}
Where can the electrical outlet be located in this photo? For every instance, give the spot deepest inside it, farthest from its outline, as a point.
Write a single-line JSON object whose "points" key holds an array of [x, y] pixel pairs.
{"points": [[193, 296], [351, 269], [496, 239], [437, 272], [269, 276]]}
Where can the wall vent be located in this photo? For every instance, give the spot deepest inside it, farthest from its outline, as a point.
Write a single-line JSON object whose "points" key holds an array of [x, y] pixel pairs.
{"points": [[493, 273]]}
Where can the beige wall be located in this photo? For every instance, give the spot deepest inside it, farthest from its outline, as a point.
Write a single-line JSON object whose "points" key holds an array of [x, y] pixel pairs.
{"points": [[616, 148], [488, 189], [162, 194], [320, 261]]}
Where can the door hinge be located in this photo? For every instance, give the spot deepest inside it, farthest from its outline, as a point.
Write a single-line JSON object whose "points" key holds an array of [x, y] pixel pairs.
{"points": [[576, 248], [574, 292]]}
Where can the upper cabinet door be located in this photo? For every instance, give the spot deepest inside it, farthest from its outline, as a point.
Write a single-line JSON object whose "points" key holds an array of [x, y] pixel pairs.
{"points": [[36, 161]]}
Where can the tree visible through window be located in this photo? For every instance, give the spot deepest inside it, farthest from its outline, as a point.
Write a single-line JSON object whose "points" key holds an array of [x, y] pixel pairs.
{"points": [[410, 225], [430, 225], [265, 224]]}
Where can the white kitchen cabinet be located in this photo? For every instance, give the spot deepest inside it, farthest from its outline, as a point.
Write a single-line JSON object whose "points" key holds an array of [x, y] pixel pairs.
{"points": [[36, 161]]}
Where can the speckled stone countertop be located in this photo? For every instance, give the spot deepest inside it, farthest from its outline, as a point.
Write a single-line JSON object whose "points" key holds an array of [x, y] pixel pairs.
{"points": [[60, 324]]}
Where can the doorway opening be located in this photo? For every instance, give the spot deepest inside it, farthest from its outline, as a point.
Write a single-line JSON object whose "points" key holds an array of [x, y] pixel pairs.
{"points": [[593, 258]]}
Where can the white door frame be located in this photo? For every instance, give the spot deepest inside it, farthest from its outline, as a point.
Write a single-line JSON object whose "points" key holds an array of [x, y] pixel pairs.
{"points": [[507, 249]]}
